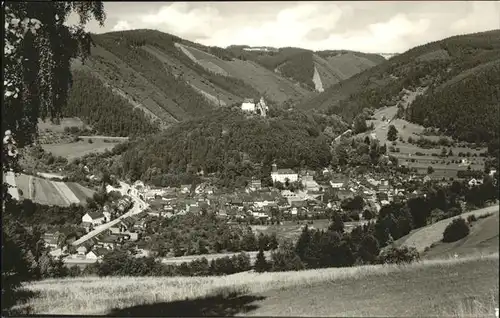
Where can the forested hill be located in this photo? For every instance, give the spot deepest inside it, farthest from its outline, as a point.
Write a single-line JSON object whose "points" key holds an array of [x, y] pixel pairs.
{"points": [[448, 68], [171, 79], [233, 147], [300, 65], [109, 113]]}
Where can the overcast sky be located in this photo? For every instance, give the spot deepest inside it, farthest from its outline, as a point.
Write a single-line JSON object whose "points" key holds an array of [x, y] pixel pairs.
{"points": [[373, 26]]}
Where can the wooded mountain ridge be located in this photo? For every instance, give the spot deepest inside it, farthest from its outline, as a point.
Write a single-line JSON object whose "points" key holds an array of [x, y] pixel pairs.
{"points": [[171, 79], [461, 74]]}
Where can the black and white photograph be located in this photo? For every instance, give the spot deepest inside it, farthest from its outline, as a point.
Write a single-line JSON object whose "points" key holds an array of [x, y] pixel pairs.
{"points": [[264, 158]]}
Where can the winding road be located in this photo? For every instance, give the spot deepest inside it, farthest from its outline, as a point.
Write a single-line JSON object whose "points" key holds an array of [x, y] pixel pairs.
{"points": [[138, 207]]}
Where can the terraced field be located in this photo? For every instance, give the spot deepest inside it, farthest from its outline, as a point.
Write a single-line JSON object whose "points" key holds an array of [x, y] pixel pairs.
{"points": [[262, 79], [407, 154], [48, 192]]}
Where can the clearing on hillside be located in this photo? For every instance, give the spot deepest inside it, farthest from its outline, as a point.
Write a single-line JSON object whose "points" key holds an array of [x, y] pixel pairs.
{"points": [[424, 237], [483, 239], [69, 122], [81, 148]]}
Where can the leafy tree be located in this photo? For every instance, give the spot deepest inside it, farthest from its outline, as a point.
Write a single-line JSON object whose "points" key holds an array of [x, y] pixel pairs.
{"points": [[261, 264], [360, 124], [368, 249], [273, 242], [336, 224], [392, 133], [303, 242], [285, 259], [38, 48], [367, 214], [430, 170]]}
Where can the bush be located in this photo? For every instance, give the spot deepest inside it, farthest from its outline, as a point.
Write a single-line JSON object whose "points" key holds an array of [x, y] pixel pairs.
{"points": [[90, 141], [401, 255], [285, 259], [471, 218], [456, 230]]}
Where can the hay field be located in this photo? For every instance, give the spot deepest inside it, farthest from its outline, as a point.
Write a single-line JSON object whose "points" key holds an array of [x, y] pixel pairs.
{"points": [[65, 122], [483, 238], [436, 285], [48, 192], [205, 60], [79, 149], [424, 237]]}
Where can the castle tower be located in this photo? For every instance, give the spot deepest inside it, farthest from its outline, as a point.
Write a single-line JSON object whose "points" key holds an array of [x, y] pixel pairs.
{"points": [[275, 168]]}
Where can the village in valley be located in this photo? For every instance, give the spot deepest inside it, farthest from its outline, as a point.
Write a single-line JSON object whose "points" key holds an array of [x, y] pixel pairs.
{"points": [[295, 198], [219, 159]]}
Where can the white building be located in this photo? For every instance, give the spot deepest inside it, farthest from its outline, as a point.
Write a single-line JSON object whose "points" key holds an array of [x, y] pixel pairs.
{"points": [[282, 175], [248, 105], [492, 172], [474, 182], [94, 217]]}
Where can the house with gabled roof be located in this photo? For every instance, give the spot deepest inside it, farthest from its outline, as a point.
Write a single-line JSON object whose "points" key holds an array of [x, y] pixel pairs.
{"points": [[94, 217], [97, 253]]}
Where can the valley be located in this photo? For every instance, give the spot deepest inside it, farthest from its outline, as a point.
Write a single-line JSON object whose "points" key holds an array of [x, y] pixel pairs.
{"points": [[151, 174]]}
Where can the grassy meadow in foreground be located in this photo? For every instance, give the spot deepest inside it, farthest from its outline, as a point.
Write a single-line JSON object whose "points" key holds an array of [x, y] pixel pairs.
{"points": [[432, 287]]}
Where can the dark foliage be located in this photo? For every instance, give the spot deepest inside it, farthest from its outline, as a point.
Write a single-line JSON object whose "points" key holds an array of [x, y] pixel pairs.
{"points": [[192, 234], [456, 230], [402, 255], [476, 120], [231, 146], [261, 264], [392, 133], [108, 113]]}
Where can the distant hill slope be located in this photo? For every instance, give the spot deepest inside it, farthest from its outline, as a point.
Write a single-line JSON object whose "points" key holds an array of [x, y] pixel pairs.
{"points": [[299, 64], [163, 79], [483, 238], [426, 236], [461, 74]]}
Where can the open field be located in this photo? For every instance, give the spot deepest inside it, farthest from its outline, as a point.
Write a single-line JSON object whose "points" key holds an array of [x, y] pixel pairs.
{"points": [[424, 237], [48, 192], [437, 287], [483, 238], [79, 149], [65, 122], [291, 230]]}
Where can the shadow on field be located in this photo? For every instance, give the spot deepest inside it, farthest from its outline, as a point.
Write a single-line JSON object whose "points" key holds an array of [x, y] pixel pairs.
{"points": [[223, 304], [16, 299]]}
